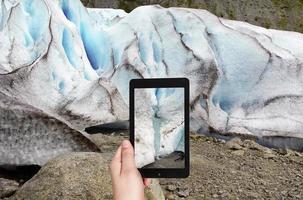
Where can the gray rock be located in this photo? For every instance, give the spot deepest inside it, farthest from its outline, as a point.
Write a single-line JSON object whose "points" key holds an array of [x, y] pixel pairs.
{"points": [[234, 144], [250, 144], [7, 187], [154, 191], [239, 152], [171, 187], [76, 176], [269, 156], [70, 176], [183, 192], [170, 197]]}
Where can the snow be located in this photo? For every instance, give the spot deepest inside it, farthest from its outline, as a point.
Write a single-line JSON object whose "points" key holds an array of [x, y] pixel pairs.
{"points": [[74, 64]]}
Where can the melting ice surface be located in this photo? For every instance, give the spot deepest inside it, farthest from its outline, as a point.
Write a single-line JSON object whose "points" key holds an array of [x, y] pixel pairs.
{"points": [[74, 64], [159, 123]]}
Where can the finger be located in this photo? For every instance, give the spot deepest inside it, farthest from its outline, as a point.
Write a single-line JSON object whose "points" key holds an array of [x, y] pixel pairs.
{"points": [[146, 182], [115, 165], [128, 161]]}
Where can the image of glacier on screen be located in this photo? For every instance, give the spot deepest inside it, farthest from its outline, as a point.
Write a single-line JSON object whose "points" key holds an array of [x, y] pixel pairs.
{"points": [[159, 127]]}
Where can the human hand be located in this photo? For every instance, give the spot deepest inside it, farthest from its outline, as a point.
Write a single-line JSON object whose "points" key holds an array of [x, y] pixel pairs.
{"points": [[127, 181]]}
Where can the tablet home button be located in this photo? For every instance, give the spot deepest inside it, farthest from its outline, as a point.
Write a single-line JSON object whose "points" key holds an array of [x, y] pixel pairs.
{"points": [[159, 174]]}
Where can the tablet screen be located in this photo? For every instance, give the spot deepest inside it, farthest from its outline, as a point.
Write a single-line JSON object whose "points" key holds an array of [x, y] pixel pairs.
{"points": [[159, 127]]}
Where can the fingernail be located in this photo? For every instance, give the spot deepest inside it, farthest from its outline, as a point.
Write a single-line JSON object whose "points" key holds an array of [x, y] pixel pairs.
{"points": [[125, 144]]}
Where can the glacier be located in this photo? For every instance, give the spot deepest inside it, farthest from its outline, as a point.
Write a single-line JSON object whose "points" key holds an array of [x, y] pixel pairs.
{"points": [[73, 64]]}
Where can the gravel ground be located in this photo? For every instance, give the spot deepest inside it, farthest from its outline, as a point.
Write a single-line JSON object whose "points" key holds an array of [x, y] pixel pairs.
{"points": [[238, 170]]}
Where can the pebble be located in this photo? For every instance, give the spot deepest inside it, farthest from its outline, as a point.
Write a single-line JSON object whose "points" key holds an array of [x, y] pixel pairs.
{"points": [[170, 197], [183, 193], [220, 192], [234, 144], [255, 146], [269, 155], [171, 187]]}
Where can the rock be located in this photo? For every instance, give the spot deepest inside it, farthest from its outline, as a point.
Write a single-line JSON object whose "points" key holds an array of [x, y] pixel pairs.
{"points": [[239, 152], [75, 176], [220, 192], [7, 187], [170, 196], [289, 152], [154, 191], [298, 154], [183, 192], [282, 151], [70, 176], [196, 137], [250, 144], [269, 155], [171, 187], [234, 144]]}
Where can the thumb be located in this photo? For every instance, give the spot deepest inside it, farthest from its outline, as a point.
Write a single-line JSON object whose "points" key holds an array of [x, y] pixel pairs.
{"points": [[127, 157]]}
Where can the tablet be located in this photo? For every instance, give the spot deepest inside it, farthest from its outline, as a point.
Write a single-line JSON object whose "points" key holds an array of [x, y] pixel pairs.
{"points": [[159, 126]]}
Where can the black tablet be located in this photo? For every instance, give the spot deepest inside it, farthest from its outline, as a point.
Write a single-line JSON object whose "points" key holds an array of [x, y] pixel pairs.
{"points": [[159, 126]]}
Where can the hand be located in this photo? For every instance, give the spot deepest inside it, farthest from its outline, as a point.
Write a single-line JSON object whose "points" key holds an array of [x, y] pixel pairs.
{"points": [[127, 181]]}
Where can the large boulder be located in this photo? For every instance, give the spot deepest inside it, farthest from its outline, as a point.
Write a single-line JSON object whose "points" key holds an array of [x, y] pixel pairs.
{"points": [[70, 176], [75, 176]]}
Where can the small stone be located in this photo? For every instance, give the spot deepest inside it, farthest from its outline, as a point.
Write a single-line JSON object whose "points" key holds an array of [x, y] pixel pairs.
{"points": [[234, 144], [220, 192], [171, 187], [238, 152], [255, 146], [170, 196], [282, 151], [154, 191], [7, 187], [269, 156], [298, 154], [221, 141], [215, 196], [183, 193], [195, 137]]}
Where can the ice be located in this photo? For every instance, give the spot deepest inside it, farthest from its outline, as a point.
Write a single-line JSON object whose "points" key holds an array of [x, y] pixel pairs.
{"points": [[74, 64]]}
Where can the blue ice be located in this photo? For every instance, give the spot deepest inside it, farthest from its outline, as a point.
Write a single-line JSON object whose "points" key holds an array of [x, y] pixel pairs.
{"points": [[61, 87], [37, 18], [95, 40], [67, 43]]}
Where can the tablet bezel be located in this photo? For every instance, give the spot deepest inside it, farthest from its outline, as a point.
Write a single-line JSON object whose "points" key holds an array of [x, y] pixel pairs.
{"points": [[162, 83]]}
